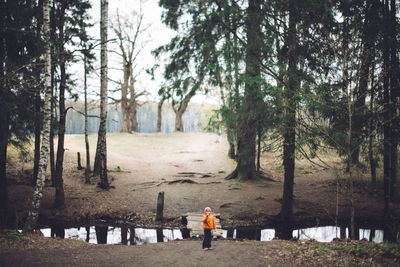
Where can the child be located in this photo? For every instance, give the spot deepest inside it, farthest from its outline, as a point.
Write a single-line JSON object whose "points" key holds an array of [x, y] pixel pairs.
{"points": [[208, 225]]}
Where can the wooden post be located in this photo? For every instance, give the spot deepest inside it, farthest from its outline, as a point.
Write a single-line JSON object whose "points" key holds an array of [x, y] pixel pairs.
{"points": [[87, 234], [132, 236], [343, 232], [79, 161], [124, 235], [160, 206], [101, 234], [160, 235]]}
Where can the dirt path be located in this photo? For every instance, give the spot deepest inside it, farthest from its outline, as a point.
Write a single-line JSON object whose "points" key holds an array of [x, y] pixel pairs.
{"points": [[177, 253], [34, 250]]}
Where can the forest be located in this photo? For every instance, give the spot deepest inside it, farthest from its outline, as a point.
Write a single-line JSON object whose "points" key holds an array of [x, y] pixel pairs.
{"points": [[306, 132]]}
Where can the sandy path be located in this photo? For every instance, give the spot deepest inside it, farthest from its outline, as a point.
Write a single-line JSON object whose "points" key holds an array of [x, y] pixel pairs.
{"points": [[176, 253]]}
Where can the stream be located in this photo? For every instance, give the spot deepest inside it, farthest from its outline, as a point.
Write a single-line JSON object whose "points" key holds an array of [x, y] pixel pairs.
{"points": [[107, 234]]}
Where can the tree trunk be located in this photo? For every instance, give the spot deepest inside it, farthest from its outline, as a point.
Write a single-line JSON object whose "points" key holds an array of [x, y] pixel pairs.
{"points": [[96, 167], [178, 121], [289, 135], [372, 160], [87, 170], [245, 169], [394, 95], [159, 113], [4, 131], [124, 99], [4, 135], [386, 107], [259, 136], [38, 126], [368, 40], [350, 165], [101, 140], [133, 123], [232, 151], [33, 214], [184, 104], [53, 104], [37, 104], [59, 197]]}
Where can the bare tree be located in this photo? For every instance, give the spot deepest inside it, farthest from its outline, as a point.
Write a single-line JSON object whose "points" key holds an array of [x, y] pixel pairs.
{"points": [[127, 31]]}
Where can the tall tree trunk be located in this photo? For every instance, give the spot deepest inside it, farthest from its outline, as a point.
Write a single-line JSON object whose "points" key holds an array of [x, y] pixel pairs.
{"points": [[350, 165], [368, 40], [102, 140], [178, 121], [37, 104], [133, 122], [289, 136], [87, 170], [372, 160], [33, 214], [4, 134], [159, 113], [4, 127], [52, 118], [394, 95], [245, 169], [259, 136], [386, 106], [184, 104], [53, 104], [59, 197], [38, 125], [124, 99]]}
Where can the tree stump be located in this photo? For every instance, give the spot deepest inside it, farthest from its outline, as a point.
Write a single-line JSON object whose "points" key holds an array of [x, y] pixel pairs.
{"points": [[79, 161], [160, 206]]}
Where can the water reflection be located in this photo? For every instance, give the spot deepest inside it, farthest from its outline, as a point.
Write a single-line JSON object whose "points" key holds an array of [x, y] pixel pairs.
{"points": [[118, 235], [321, 234], [138, 236]]}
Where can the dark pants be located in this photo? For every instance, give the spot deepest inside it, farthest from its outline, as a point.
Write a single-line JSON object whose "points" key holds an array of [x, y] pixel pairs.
{"points": [[207, 238]]}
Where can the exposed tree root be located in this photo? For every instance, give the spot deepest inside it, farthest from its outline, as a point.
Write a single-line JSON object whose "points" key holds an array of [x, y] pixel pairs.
{"points": [[248, 176]]}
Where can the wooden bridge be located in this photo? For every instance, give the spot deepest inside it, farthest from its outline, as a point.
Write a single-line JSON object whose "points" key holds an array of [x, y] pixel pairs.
{"points": [[195, 224]]}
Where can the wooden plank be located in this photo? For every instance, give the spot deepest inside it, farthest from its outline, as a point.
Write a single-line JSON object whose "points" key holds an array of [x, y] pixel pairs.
{"points": [[195, 224]]}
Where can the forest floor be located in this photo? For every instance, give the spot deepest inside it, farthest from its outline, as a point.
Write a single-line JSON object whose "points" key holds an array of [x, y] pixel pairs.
{"points": [[190, 168]]}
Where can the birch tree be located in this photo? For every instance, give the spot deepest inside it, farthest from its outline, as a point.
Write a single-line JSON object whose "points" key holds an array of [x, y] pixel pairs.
{"points": [[101, 150], [33, 214]]}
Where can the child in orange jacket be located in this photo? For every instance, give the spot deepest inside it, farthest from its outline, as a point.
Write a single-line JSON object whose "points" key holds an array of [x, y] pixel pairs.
{"points": [[208, 225]]}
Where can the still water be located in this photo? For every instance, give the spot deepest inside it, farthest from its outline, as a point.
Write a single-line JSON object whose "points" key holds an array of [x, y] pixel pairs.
{"points": [[139, 236]]}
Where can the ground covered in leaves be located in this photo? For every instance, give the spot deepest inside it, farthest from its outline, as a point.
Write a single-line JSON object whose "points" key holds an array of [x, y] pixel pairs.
{"points": [[35, 250]]}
